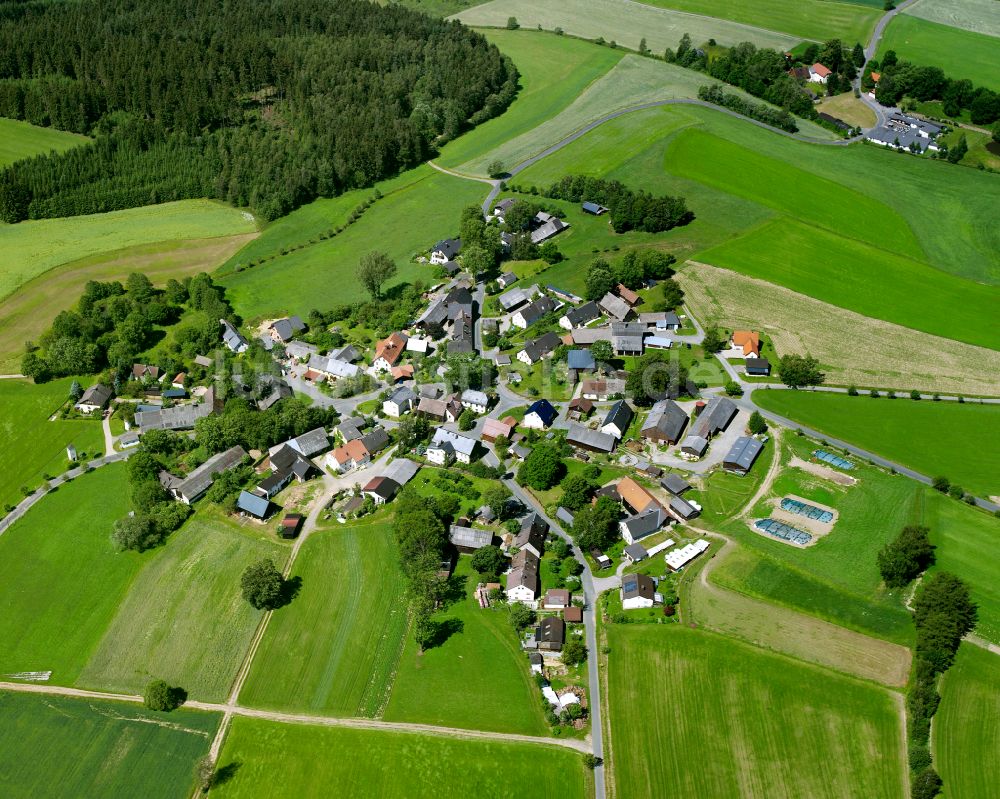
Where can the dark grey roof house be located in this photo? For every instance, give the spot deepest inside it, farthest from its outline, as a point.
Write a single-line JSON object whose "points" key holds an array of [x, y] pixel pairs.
{"points": [[675, 484], [665, 423], [742, 455], [618, 419]]}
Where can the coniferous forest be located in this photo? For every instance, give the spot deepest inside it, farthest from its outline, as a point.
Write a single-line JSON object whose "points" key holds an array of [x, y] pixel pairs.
{"points": [[259, 103]]}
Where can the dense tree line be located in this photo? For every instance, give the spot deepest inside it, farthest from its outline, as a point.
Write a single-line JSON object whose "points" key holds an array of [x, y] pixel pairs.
{"points": [[776, 117], [267, 105], [629, 210], [632, 272], [240, 424], [899, 79]]}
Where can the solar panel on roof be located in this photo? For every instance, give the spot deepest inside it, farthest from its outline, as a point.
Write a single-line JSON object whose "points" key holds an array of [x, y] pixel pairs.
{"points": [[783, 531], [833, 460]]}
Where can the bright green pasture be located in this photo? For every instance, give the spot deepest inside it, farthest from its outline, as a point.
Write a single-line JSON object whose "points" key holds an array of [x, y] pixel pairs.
{"points": [[555, 70], [696, 714], [781, 186], [979, 16], [633, 81], [959, 441], [22, 140], [966, 731], [33, 247], [638, 150], [61, 580], [960, 53], [288, 760], [966, 541], [335, 648], [406, 221], [624, 22], [811, 19], [33, 445], [477, 679], [184, 619], [56, 746], [862, 278]]}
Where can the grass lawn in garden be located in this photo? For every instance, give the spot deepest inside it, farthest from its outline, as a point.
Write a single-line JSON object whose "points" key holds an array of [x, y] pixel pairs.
{"points": [[837, 270], [61, 580], [56, 746], [958, 440], [771, 726], [810, 19], [184, 619], [34, 446], [477, 678], [405, 222], [623, 22], [633, 81], [550, 498], [960, 53], [22, 140], [980, 16], [33, 247], [966, 540], [333, 651], [967, 725], [288, 760], [555, 70]]}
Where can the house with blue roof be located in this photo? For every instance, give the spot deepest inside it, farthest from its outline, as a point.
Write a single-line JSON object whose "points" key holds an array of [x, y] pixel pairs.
{"points": [[540, 415], [253, 505], [580, 360]]}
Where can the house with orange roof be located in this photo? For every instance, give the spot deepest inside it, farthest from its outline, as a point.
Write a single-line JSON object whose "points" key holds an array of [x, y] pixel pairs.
{"points": [[628, 295], [635, 496], [388, 352], [747, 341], [819, 73]]}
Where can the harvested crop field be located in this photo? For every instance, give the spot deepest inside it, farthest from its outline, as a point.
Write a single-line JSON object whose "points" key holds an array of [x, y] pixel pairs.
{"points": [[624, 22], [881, 354], [979, 16]]}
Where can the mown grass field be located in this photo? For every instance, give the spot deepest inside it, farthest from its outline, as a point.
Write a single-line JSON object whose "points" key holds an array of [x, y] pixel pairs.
{"points": [[966, 731], [285, 760], [848, 108], [54, 746], [184, 619], [959, 441], [333, 651], [477, 679], [61, 580], [960, 53], [811, 19], [554, 72], [701, 715], [966, 545], [623, 22], [980, 16], [30, 310], [837, 270], [32, 248], [633, 81], [882, 354], [22, 140], [33, 445], [419, 208]]}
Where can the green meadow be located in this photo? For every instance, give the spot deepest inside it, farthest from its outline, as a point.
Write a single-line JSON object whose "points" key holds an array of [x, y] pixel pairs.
{"points": [[418, 209], [61, 580], [333, 651], [624, 22], [957, 440], [960, 53], [33, 445], [477, 678], [979, 16], [966, 731], [22, 140], [55, 746], [184, 619], [286, 760], [811, 19], [700, 715], [33, 247], [554, 72]]}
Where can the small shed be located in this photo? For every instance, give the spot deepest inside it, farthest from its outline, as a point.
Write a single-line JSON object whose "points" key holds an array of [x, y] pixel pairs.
{"points": [[290, 525]]}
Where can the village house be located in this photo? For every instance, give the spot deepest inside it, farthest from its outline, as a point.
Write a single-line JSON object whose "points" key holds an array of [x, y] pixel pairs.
{"points": [[232, 339], [522, 581], [642, 524], [445, 250], [665, 423], [618, 419], [628, 295], [469, 539], [516, 297], [588, 336], [494, 429], [578, 317], [446, 446], [584, 438], [548, 226], [627, 338], [535, 350], [714, 418], [253, 505], [601, 390], [388, 352], [747, 341], [178, 417], [551, 634], [331, 368], [637, 498], [540, 415], [95, 398], [742, 455], [142, 371], [284, 330], [638, 591], [192, 487], [531, 537], [757, 367], [506, 280], [400, 401], [580, 361], [634, 553], [440, 410], [381, 489], [579, 409], [819, 73], [300, 350], [556, 599], [531, 313], [615, 307], [357, 452], [675, 484], [475, 401]]}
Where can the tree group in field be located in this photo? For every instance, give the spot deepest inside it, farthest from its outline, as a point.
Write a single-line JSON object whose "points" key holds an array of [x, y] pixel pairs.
{"points": [[161, 696], [279, 105]]}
